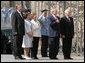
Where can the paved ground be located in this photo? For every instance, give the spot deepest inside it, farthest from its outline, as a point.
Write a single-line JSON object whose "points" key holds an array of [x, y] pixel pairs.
{"points": [[10, 58]]}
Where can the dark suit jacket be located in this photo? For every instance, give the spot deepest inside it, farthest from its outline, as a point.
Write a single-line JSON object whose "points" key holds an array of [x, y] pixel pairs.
{"points": [[67, 28], [54, 27], [18, 24]]}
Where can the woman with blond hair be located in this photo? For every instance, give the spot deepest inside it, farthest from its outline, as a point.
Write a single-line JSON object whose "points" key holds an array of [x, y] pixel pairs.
{"points": [[36, 35]]}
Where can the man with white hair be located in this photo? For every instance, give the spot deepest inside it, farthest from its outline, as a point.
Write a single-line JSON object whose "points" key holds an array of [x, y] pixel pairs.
{"points": [[18, 31], [67, 32], [54, 34]]}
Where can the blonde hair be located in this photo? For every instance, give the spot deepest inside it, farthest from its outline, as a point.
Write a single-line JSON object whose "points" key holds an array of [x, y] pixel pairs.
{"points": [[32, 15]]}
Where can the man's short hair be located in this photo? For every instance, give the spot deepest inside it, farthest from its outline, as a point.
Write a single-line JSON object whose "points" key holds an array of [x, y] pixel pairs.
{"points": [[53, 10], [17, 5], [67, 10]]}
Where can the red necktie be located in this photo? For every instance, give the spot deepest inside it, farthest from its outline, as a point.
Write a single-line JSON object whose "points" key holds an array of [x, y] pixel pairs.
{"points": [[56, 19], [68, 18]]}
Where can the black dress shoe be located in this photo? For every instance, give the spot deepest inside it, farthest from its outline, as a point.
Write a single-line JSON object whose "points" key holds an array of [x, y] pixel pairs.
{"points": [[69, 58], [17, 57], [21, 57], [45, 56], [54, 58], [35, 58]]}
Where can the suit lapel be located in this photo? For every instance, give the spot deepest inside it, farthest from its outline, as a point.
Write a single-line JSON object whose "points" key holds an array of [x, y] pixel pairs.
{"points": [[53, 18], [70, 19], [19, 15], [57, 17], [66, 19]]}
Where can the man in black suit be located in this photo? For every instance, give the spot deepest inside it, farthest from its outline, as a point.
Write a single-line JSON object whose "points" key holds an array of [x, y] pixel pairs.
{"points": [[18, 31], [54, 34], [67, 32]]}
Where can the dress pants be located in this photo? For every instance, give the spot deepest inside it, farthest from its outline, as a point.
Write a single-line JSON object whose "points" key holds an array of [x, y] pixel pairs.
{"points": [[67, 42], [34, 49], [17, 45], [53, 47], [44, 45]]}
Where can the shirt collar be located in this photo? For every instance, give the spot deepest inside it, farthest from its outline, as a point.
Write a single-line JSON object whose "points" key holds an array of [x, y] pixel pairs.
{"points": [[67, 16], [53, 15], [18, 11]]}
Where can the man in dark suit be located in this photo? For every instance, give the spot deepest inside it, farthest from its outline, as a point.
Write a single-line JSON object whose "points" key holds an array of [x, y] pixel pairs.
{"points": [[18, 31], [54, 34], [67, 32]]}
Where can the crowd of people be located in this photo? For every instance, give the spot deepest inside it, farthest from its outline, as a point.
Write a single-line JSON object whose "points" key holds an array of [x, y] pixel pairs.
{"points": [[28, 29]]}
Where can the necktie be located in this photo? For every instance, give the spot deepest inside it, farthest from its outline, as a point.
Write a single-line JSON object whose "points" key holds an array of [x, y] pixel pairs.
{"points": [[56, 19], [68, 18], [21, 14]]}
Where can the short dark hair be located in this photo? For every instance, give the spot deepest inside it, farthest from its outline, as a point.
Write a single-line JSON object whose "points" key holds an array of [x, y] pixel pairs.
{"points": [[26, 15]]}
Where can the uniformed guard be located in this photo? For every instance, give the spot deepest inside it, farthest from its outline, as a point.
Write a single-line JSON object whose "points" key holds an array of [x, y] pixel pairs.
{"points": [[44, 32]]}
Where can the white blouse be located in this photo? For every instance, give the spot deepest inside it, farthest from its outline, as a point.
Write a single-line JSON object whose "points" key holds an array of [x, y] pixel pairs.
{"points": [[36, 28]]}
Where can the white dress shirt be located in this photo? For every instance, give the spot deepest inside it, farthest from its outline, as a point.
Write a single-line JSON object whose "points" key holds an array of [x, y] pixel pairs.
{"points": [[20, 13]]}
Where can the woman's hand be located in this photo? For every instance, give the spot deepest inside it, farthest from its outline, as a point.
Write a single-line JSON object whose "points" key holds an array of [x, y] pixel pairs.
{"points": [[30, 35], [63, 36]]}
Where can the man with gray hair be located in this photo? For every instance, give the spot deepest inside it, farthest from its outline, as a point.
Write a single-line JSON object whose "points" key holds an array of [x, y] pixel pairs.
{"points": [[67, 32], [18, 30], [54, 34]]}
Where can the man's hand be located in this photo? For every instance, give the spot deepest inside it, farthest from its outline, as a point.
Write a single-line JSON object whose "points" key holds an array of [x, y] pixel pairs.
{"points": [[15, 33], [42, 13], [62, 36]]}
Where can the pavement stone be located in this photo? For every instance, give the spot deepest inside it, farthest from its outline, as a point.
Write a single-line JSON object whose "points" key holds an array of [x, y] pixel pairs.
{"points": [[10, 58]]}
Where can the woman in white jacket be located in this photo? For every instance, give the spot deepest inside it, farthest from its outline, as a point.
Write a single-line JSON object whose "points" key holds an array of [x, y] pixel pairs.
{"points": [[36, 35]]}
